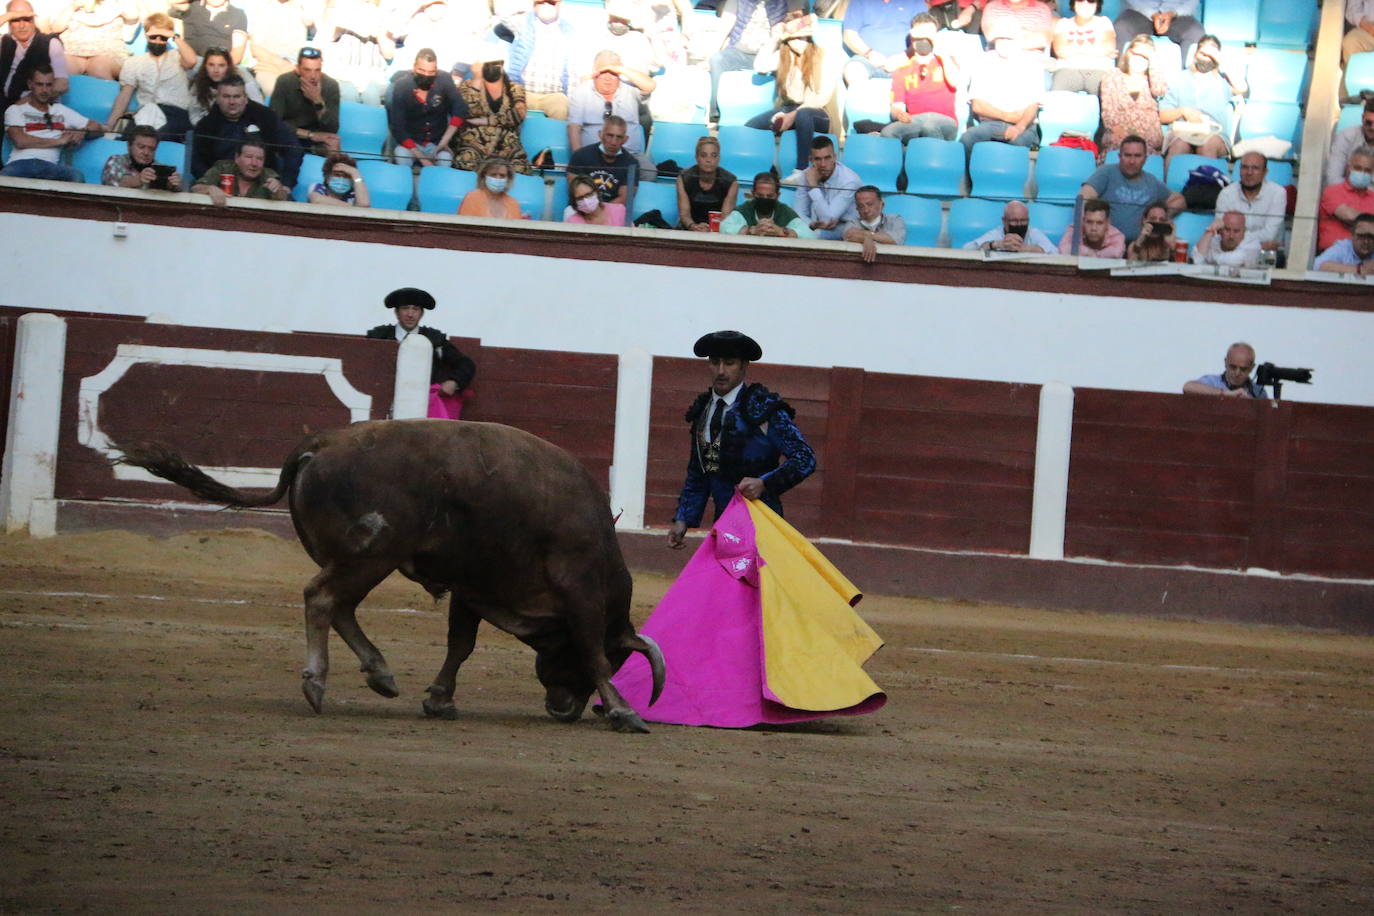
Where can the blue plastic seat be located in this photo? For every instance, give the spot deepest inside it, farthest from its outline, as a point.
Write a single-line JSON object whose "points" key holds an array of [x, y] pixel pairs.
{"points": [[362, 129], [652, 195], [934, 167], [970, 217], [92, 97], [1359, 73], [1350, 116], [1235, 22], [538, 134], [744, 94], [531, 192], [89, 159], [1273, 119], [1288, 23], [348, 92], [311, 174], [389, 187], [1190, 225], [746, 151], [1184, 163], [870, 100], [1276, 76], [830, 35], [676, 141], [923, 216], [558, 196], [1060, 171], [1154, 165], [1051, 219], [877, 160], [170, 152], [999, 170], [1073, 112], [441, 189]]}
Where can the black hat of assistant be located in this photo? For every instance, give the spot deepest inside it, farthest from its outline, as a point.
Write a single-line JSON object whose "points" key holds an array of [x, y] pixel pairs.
{"points": [[409, 295], [728, 345]]}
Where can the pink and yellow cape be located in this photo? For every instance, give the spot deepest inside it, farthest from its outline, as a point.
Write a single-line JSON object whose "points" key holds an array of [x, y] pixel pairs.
{"points": [[759, 628]]}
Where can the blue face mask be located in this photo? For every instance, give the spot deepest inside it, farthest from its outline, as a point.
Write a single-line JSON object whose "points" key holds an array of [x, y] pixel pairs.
{"points": [[1359, 180], [340, 185], [496, 185]]}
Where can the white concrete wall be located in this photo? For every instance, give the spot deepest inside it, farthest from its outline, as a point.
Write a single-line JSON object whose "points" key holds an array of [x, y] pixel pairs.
{"points": [[254, 281]]}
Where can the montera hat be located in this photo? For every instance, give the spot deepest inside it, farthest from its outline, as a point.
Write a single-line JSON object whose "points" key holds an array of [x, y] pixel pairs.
{"points": [[728, 345], [409, 295]]}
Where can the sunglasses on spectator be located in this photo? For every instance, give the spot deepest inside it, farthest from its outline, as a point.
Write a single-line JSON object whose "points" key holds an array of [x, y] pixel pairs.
{"points": [[1365, 236], [160, 39], [216, 50], [21, 19], [310, 53]]}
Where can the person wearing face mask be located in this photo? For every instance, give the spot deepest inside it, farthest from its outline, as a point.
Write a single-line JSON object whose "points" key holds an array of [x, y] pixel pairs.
{"points": [[1084, 47], [1347, 141], [490, 198], [805, 83], [342, 184], [924, 89], [1197, 105], [1129, 97], [588, 207], [540, 59], [496, 109], [1016, 234], [1172, 19], [606, 163], [763, 214], [871, 226], [1342, 204], [23, 49], [424, 111], [158, 80]]}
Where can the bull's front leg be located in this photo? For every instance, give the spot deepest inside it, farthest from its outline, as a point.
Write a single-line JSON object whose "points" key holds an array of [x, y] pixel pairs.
{"points": [[462, 637]]}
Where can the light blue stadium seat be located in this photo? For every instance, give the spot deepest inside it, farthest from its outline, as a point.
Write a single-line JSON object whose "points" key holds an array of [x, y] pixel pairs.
{"points": [[1273, 119], [1154, 165], [89, 158], [1060, 171], [1235, 22], [1287, 23], [1190, 225], [362, 129], [389, 187], [970, 217], [348, 92], [441, 189], [744, 94], [1184, 163], [92, 97], [170, 152], [532, 194], [311, 174], [1359, 73], [746, 151], [1075, 112], [558, 199], [870, 100], [1051, 219], [934, 167], [538, 134], [655, 196], [830, 35], [999, 170], [1351, 115], [1276, 76], [676, 141], [923, 216], [877, 160]]}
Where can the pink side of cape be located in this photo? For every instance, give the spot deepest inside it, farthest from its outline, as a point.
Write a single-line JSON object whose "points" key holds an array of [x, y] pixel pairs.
{"points": [[445, 406]]}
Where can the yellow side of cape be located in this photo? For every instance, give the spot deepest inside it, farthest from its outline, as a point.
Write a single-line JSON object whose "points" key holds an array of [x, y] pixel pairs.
{"points": [[813, 642]]}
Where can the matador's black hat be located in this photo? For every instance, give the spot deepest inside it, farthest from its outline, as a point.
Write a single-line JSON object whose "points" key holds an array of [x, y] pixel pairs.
{"points": [[409, 295], [728, 345]]}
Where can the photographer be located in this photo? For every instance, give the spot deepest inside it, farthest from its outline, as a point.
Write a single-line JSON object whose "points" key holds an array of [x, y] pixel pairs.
{"points": [[1156, 241], [136, 168], [1235, 382]]}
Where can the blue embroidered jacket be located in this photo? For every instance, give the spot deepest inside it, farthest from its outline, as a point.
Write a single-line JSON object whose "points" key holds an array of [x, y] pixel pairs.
{"points": [[755, 433]]}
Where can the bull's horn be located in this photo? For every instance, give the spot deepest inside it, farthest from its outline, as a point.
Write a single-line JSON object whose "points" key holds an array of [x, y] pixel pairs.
{"points": [[655, 656]]}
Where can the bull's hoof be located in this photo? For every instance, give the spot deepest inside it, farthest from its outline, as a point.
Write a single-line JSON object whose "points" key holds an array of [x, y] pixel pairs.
{"points": [[565, 707], [626, 720], [439, 705], [314, 693], [383, 683]]}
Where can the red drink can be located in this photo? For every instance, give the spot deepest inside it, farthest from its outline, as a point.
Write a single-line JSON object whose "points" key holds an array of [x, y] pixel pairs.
{"points": [[713, 218], [228, 183], [1181, 251]]}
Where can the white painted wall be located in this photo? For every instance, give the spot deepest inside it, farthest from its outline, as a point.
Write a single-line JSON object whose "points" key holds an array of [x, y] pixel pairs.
{"points": [[255, 281]]}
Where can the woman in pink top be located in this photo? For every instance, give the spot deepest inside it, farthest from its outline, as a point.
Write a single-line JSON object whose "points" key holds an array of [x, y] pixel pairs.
{"points": [[1130, 98], [587, 206], [1084, 48]]}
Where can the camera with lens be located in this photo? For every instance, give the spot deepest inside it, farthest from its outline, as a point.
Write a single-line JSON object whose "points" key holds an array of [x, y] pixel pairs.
{"points": [[1272, 376]]}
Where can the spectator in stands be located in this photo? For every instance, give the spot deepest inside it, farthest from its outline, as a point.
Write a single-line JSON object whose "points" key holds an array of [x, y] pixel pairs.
{"points": [[872, 227], [496, 109], [1354, 255], [424, 111], [613, 89], [764, 215], [451, 30], [1129, 188], [1359, 14], [541, 60], [588, 207], [623, 36], [356, 41], [1341, 204], [745, 26], [1174, 19], [1235, 382], [1015, 234], [490, 199], [805, 85], [93, 35], [307, 101], [611, 169], [705, 188], [1349, 140], [825, 190], [1004, 97], [39, 127], [1227, 244], [1100, 238], [969, 17], [1084, 45], [207, 24], [924, 88], [214, 68], [1130, 96], [158, 80], [1156, 241], [247, 174], [136, 168], [1027, 24], [1197, 106], [342, 184], [280, 28], [662, 21], [23, 50], [450, 371], [875, 32], [233, 119], [1263, 202]]}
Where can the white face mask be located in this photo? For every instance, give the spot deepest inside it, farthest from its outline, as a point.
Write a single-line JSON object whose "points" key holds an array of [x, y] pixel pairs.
{"points": [[588, 204], [871, 225]]}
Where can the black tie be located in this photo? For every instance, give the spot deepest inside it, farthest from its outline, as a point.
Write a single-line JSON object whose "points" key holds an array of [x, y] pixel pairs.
{"points": [[716, 418]]}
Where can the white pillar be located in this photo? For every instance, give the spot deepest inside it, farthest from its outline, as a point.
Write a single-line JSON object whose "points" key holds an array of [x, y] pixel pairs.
{"points": [[630, 459], [1051, 495], [414, 360], [26, 484]]}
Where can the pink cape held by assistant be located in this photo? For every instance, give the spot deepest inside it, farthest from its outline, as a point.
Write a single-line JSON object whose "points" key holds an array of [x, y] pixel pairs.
{"points": [[758, 629]]}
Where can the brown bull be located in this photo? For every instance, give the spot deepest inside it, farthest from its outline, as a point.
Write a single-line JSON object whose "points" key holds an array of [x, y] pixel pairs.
{"points": [[513, 528]]}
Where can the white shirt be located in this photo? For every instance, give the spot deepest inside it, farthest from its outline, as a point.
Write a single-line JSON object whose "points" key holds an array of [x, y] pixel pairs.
{"points": [[729, 398], [1344, 143], [1246, 254], [35, 124], [831, 199], [157, 80], [1009, 83], [1263, 215], [1358, 10]]}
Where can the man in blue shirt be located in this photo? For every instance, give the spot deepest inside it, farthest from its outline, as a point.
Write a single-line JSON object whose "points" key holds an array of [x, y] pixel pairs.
{"points": [[1130, 189], [1200, 98], [875, 32], [1235, 382], [1354, 255], [1174, 19]]}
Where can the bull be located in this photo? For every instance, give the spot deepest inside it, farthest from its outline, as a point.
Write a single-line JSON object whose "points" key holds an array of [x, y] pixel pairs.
{"points": [[512, 528]]}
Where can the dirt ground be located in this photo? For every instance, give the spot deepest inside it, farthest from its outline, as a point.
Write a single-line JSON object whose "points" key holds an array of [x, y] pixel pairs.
{"points": [[157, 756]]}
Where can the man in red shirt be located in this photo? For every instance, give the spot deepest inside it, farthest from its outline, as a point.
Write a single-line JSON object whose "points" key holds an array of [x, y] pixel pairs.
{"points": [[923, 88], [1342, 203]]}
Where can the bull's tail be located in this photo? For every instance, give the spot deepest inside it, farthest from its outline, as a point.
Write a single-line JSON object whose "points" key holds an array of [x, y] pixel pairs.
{"points": [[158, 459]]}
